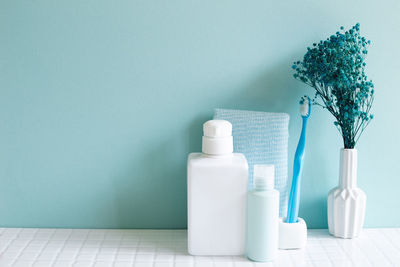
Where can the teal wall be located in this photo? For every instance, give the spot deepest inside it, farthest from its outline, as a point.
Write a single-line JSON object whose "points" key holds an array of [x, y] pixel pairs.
{"points": [[101, 101]]}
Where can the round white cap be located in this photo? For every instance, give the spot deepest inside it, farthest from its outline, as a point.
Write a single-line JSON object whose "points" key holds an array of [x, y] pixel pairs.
{"points": [[264, 176], [217, 137]]}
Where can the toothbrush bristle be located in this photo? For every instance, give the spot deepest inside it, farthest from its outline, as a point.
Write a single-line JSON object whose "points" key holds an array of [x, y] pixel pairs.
{"points": [[304, 106]]}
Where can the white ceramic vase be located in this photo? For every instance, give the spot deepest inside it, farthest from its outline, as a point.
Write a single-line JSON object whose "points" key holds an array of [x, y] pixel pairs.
{"points": [[346, 203]]}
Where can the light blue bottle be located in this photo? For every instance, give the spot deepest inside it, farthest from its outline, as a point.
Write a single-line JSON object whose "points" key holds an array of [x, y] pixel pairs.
{"points": [[262, 216]]}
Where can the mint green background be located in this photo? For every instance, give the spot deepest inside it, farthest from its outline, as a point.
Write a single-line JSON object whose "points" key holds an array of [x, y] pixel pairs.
{"points": [[101, 101]]}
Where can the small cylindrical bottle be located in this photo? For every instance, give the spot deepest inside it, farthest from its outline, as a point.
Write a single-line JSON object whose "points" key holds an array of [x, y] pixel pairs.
{"points": [[262, 216]]}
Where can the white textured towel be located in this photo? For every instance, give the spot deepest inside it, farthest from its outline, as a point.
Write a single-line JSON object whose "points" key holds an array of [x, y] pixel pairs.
{"points": [[263, 138]]}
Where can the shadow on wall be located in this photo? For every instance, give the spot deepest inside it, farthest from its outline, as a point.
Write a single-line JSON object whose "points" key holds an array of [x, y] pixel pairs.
{"points": [[273, 90], [157, 197]]}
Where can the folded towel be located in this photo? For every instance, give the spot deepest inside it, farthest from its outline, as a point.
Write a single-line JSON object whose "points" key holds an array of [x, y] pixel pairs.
{"points": [[263, 138]]}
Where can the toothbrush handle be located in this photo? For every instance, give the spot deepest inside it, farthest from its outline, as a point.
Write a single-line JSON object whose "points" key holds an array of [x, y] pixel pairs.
{"points": [[294, 197]]}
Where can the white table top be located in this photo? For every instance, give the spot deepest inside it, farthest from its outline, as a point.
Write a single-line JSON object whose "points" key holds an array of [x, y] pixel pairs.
{"points": [[168, 248]]}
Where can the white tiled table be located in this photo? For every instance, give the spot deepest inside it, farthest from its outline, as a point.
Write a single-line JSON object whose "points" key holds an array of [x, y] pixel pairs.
{"points": [[167, 248]]}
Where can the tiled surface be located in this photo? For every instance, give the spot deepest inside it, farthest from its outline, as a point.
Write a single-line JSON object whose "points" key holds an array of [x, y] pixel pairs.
{"points": [[167, 248]]}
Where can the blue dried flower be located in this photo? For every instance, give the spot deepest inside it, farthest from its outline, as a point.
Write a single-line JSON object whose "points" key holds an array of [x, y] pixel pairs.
{"points": [[335, 69]]}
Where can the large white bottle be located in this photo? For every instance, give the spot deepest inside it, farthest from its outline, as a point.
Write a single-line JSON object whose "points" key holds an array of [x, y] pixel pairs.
{"points": [[217, 187], [263, 216]]}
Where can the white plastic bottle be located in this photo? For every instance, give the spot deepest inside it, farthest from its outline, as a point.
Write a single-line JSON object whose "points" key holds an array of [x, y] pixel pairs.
{"points": [[263, 216], [217, 188]]}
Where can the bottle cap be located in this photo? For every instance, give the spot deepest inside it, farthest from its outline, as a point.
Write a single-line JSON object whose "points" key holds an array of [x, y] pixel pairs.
{"points": [[264, 176], [217, 137]]}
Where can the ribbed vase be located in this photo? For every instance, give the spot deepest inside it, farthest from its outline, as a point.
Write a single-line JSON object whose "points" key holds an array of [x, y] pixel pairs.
{"points": [[346, 203]]}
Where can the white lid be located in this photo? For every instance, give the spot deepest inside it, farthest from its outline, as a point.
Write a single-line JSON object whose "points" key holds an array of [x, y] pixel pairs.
{"points": [[217, 137], [264, 176]]}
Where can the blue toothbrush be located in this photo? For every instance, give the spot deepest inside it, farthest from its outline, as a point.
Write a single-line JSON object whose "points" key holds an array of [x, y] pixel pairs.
{"points": [[294, 197]]}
